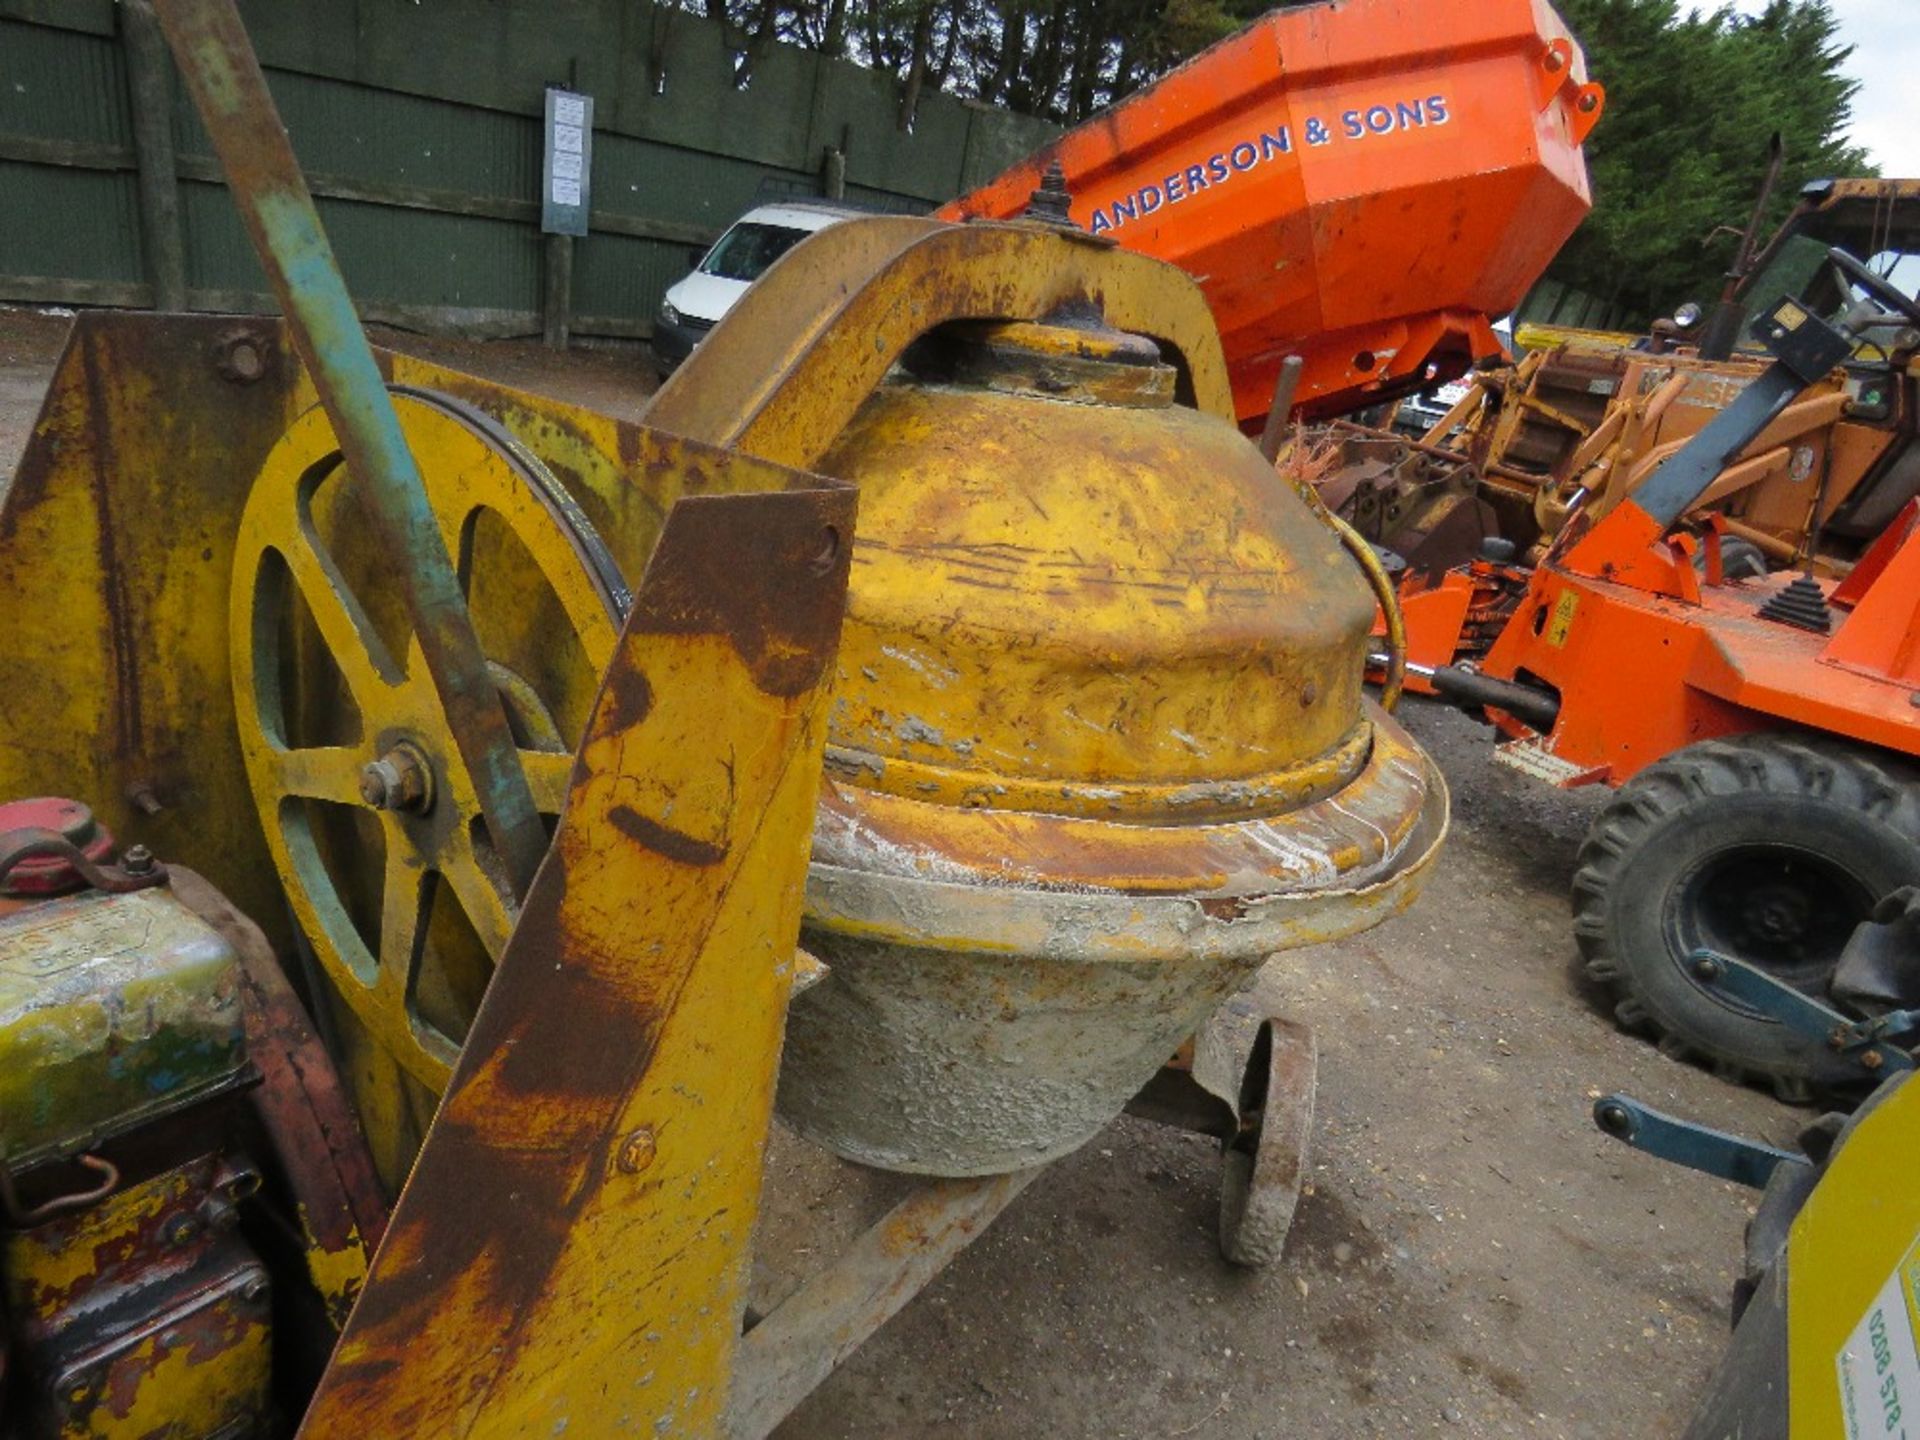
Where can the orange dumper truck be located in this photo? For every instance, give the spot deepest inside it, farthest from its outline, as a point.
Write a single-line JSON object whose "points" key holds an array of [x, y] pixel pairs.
{"points": [[1364, 184]]}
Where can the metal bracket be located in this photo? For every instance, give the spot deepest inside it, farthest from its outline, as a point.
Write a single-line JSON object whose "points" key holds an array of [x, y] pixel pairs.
{"points": [[139, 872], [1867, 1042], [790, 1351], [1729, 1157], [1698, 1147]]}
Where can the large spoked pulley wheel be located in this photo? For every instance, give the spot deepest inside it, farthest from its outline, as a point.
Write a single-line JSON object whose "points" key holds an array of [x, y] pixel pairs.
{"points": [[369, 814], [1768, 848]]}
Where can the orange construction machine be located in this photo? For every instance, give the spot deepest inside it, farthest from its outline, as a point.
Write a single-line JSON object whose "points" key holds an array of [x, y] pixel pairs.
{"points": [[1764, 731], [1586, 417], [1346, 184]]}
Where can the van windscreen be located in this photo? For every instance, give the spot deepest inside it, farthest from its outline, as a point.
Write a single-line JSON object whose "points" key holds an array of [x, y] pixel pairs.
{"points": [[745, 251]]}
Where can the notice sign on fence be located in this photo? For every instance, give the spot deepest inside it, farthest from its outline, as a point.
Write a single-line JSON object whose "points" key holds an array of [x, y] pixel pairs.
{"points": [[569, 163]]}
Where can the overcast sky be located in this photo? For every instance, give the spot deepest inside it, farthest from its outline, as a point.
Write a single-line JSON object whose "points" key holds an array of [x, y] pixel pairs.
{"points": [[1885, 35]]}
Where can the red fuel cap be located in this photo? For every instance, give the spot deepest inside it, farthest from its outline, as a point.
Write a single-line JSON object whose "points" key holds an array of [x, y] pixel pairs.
{"points": [[50, 874]]}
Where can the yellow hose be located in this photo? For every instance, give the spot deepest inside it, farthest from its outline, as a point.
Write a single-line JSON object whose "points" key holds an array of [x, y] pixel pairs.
{"points": [[1272, 443], [1384, 592], [1389, 598]]}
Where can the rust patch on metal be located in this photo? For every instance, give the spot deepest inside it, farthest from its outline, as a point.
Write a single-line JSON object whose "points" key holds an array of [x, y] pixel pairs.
{"points": [[569, 1051], [571, 1059], [154, 1280], [121, 641], [534, 1162], [184, 446], [694, 584], [626, 442], [676, 845], [632, 698], [301, 1102]]}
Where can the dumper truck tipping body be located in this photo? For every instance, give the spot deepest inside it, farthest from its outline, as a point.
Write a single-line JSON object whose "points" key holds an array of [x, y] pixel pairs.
{"points": [[1365, 184]]}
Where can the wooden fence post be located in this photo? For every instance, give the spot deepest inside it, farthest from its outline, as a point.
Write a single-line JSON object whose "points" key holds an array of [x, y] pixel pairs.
{"points": [[150, 93]]}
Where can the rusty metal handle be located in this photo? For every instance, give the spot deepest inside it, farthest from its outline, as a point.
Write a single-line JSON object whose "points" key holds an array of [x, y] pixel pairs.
{"points": [[36, 843], [813, 338], [1384, 594], [1280, 412], [229, 90]]}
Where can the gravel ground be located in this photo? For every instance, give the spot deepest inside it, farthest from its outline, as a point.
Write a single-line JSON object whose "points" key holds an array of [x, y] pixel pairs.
{"points": [[1472, 1258], [30, 342]]}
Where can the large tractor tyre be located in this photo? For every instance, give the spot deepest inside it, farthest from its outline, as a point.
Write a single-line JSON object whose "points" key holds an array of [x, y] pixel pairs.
{"points": [[1769, 848]]}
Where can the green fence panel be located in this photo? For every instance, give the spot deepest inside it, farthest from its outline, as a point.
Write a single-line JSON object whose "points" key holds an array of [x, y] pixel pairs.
{"points": [[644, 179], [618, 281], [419, 126], [66, 223], [94, 17], [62, 85], [383, 136], [997, 139]]}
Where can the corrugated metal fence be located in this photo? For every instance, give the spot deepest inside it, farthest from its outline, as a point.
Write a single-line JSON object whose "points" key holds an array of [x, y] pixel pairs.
{"points": [[419, 125]]}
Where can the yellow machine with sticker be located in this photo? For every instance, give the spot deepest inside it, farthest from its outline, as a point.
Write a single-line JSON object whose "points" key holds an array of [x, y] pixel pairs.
{"points": [[1827, 1311], [1825, 1348]]}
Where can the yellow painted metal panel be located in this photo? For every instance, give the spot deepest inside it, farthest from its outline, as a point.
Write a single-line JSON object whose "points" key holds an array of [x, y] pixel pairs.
{"points": [[1847, 1243]]}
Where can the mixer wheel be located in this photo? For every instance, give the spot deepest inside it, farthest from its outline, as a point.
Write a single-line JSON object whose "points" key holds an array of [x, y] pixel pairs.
{"points": [[1264, 1169], [369, 814]]}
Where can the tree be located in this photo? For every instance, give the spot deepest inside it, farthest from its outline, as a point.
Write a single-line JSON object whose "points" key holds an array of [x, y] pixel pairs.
{"points": [[1062, 59], [1692, 99]]}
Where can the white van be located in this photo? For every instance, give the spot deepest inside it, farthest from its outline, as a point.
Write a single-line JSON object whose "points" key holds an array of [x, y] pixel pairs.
{"points": [[695, 303]]}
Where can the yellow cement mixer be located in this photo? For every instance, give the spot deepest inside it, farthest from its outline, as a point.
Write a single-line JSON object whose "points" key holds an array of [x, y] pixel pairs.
{"points": [[415, 823]]}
